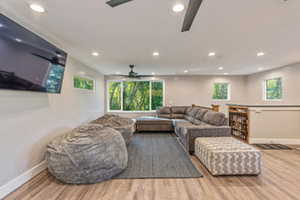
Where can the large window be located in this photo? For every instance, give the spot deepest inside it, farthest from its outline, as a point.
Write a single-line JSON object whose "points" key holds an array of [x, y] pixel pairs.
{"points": [[221, 91], [273, 89], [135, 95]]}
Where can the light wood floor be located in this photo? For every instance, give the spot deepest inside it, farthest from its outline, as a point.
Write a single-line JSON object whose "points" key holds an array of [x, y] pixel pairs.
{"points": [[280, 179]]}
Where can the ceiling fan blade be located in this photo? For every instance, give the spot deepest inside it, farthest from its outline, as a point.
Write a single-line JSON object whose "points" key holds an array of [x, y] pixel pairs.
{"points": [[121, 75], [114, 3], [190, 14], [145, 76]]}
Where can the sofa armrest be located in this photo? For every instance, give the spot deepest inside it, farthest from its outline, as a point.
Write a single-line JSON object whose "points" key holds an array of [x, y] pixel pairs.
{"points": [[191, 133]]}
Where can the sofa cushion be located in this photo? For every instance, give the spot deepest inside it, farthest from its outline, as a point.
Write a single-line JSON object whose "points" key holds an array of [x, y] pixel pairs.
{"points": [[200, 114], [167, 116], [192, 112], [188, 110], [215, 118], [178, 109], [177, 116], [176, 122], [189, 118], [182, 123], [164, 110]]}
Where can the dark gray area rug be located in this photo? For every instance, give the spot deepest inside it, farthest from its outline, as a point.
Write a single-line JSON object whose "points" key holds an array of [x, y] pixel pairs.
{"points": [[157, 155]]}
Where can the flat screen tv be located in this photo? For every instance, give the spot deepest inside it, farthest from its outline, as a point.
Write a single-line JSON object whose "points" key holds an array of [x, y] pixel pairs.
{"points": [[27, 61]]}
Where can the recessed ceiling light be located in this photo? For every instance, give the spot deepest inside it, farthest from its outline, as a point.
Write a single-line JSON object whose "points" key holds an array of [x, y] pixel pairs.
{"points": [[225, 73], [37, 8], [211, 54], [178, 7], [185, 71], [155, 53], [95, 54], [260, 54], [260, 69], [220, 68], [18, 40], [153, 73]]}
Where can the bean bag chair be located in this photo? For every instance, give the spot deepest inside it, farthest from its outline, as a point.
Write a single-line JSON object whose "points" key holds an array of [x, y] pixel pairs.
{"points": [[125, 126], [88, 154]]}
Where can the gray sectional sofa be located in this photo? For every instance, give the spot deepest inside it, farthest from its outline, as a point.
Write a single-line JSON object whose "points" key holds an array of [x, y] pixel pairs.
{"points": [[192, 122]]}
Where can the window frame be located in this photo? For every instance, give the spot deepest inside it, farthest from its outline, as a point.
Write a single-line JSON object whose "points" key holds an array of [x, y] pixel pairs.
{"points": [[265, 89], [122, 86], [228, 91]]}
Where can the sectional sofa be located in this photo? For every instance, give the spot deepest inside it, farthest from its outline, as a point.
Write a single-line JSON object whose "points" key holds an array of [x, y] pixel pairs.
{"points": [[191, 122]]}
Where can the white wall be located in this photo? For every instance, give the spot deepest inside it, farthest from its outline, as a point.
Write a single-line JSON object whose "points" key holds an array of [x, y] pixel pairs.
{"points": [[275, 125], [291, 85], [29, 120], [188, 90]]}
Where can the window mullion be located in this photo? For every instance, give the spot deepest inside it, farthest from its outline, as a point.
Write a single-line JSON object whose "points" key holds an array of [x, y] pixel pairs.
{"points": [[122, 89], [150, 95]]}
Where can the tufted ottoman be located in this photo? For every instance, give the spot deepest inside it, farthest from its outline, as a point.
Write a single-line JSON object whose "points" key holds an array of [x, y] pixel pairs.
{"points": [[228, 156]]}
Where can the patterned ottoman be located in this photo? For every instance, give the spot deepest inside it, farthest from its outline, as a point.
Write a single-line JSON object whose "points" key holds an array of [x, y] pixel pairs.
{"points": [[228, 156]]}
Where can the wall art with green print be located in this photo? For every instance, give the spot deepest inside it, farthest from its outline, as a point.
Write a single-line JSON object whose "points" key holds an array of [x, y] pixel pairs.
{"points": [[83, 83]]}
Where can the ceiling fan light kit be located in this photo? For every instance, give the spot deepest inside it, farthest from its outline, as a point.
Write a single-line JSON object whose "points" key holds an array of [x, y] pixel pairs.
{"points": [[132, 74], [190, 14]]}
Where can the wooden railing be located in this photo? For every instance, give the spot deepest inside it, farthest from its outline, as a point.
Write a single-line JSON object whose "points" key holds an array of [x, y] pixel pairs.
{"points": [[213, 107]]}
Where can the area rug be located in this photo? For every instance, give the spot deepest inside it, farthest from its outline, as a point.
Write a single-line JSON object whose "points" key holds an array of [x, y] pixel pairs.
{"points": [[273, 147], [157, 155]]}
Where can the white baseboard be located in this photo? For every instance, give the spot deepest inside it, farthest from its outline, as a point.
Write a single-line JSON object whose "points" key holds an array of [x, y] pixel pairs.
{"points": [[20, 180], [274, 141]]}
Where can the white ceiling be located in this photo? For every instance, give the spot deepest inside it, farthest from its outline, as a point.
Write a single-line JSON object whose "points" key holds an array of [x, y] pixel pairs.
{"points": [[235, 29]]}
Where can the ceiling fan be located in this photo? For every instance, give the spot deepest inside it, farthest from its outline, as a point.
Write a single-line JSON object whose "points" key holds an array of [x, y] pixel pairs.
{"points": [[190, 14], [132, 74]]}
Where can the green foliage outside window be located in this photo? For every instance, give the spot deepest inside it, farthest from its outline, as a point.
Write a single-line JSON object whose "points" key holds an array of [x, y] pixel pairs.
{"points": [[83, 83], [274, 89], [221, 91], [114, 95], [157, 95], [136, 95]]}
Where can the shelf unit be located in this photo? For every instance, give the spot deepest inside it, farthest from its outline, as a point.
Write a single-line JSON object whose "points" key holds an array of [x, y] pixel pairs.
{"points": [[239, 122]]}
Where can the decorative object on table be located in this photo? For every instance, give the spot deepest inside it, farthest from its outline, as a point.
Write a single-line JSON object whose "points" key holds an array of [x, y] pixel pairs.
{"points": [[125, 126], [88, 154], [83, 83], [158, 155]]}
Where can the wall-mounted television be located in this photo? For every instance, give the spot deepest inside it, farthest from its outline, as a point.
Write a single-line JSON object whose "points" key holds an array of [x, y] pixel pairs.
{"points": [[27, 61]]}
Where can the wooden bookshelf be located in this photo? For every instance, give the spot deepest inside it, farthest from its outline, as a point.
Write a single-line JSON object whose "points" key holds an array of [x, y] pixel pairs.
{"points": [[239, 122]]}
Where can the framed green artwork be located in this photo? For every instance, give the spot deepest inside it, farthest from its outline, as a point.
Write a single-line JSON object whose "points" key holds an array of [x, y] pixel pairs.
{"points": [[83, 83], [273, 89], [221, 91]]}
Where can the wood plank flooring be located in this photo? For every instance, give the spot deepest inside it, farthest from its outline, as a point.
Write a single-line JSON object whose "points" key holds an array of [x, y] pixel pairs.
{"points": [[280, 179]]}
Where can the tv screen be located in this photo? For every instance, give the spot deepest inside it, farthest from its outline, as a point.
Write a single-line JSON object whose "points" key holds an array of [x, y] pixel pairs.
{"points": [[28, 62]]}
